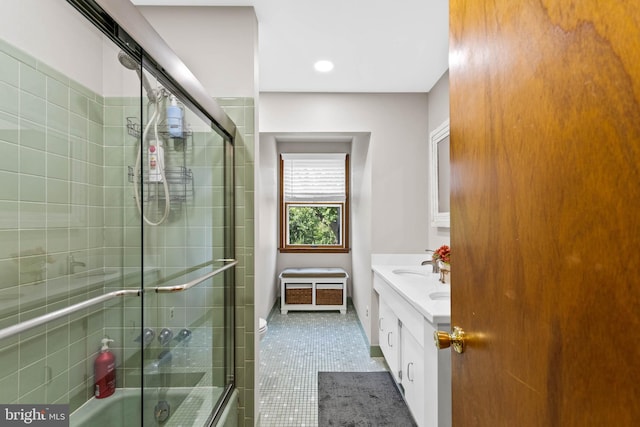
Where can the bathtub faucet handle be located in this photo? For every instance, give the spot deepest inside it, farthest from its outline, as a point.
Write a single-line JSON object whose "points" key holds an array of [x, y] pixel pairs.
{"points": [[183, 336], [165, 337], [147, 336]]}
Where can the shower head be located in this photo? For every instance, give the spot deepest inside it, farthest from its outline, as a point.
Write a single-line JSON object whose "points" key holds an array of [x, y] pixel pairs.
{"points": [[127, 61], [131, 64]]}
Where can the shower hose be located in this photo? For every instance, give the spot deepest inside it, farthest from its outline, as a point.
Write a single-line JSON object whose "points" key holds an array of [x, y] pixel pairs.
{"points": [[136, 170]]}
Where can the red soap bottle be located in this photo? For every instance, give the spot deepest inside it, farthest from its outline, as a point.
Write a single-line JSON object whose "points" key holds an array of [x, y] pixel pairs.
{"points": [[105, 371]]}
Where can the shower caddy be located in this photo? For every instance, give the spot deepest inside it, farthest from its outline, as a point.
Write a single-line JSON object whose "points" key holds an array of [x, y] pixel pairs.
{"points": [[179, 178]]}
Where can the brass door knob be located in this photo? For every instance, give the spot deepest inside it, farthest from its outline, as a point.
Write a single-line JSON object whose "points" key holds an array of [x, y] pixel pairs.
{"points": [[445, 339]]}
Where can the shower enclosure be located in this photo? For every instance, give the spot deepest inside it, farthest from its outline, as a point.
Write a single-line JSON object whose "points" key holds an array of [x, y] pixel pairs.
{"points": [[116, 221]]}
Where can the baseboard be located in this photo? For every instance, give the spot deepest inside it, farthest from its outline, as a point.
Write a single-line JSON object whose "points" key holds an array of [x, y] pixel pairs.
{"points": [[375, 351], [275, 308]]}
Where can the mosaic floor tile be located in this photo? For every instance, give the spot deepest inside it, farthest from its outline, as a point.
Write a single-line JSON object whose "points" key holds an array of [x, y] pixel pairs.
{"points": [[296, 347]]}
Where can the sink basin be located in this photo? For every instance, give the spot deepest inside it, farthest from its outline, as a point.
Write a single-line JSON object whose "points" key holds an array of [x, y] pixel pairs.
{"points": [[409, 273], [439, 296]]}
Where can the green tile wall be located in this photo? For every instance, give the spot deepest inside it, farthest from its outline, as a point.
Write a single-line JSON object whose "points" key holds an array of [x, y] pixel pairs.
{"points": [[242, 111], [51, 163], [64, 154]]}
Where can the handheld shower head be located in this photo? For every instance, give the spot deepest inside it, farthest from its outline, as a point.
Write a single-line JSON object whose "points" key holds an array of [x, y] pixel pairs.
{"points": [[127, 61], [131, 64], [155, 97]]}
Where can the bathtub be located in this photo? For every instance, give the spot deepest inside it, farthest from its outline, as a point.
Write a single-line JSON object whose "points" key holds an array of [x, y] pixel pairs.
{"points": [[177, 406]]}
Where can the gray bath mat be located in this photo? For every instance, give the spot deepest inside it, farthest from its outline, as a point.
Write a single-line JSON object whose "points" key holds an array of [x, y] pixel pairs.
{"points": [[361, 399]]}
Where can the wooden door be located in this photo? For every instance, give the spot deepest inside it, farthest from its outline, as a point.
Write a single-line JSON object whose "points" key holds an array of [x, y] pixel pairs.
{"points": [[545, 221]]}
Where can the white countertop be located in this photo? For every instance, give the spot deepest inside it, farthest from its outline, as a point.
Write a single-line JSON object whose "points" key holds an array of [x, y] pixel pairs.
{"points": [[415, 285]]}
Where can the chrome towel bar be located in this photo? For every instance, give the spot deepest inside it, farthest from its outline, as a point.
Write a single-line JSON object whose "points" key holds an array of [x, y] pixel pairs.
{"points": [[41, 320], [194, 282]]}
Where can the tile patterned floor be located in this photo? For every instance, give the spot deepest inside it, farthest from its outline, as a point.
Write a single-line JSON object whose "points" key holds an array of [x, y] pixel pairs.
{"points": [[296, 347]]}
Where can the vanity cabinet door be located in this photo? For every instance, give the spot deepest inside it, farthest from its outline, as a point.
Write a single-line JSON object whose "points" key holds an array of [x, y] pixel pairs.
{"points": [[389, 336], [437, 378], [413, 380]]}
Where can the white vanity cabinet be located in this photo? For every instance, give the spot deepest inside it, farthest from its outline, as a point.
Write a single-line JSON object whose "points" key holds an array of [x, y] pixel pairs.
{"points": [[389, 336], [413, 376], [437, 365], [423, 371]]}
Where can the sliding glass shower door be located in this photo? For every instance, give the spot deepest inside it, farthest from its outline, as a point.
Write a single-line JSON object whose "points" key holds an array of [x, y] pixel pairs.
{"points": [[116, 224], [187, 244]]}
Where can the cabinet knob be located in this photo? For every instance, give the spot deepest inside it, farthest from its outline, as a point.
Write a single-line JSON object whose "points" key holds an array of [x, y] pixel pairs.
{"points": [[446, 340]]}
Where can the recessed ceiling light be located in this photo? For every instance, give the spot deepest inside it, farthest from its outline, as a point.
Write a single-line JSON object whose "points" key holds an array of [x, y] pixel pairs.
{"points": [[323, 66]]}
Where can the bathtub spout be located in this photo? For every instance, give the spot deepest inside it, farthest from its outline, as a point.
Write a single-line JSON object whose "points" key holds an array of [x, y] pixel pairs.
{"points": [[72, 264]]}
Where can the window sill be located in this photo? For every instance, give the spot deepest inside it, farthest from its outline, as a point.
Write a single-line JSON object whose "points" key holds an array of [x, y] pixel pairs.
{"points": [[311, 250]]}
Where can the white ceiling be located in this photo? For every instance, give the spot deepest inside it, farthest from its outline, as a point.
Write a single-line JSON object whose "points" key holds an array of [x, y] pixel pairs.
{"points": [[376, 45]]}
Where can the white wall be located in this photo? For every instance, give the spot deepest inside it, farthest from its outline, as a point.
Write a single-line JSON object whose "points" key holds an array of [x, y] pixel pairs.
{"points": [[63, 39], [390, 198], [57, 35], [361, 233], [438, 113], [216, 43], [266, 201], [271, 261], [314, 143]]}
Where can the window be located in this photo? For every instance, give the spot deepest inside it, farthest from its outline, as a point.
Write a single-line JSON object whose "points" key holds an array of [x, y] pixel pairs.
{"points": [[314, 198]]}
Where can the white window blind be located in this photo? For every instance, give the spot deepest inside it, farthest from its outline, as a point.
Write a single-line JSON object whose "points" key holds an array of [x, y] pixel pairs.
{"points": [[311, 177]]}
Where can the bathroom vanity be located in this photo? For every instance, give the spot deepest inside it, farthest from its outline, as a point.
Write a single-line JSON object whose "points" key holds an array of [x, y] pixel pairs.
{"points": [[413, 304]]}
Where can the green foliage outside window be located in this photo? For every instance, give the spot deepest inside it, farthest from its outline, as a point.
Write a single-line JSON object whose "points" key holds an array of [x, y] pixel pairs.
{"points": [[314, 225]]}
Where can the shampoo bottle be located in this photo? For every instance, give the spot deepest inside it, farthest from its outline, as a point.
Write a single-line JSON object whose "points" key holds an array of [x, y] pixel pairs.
{"points": [[156, 161], [105, 371], [174, 118]]}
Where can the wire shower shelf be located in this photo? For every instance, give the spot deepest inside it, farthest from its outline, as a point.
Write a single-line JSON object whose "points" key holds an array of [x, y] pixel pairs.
{"points": [[134, 128], [179, 180]]}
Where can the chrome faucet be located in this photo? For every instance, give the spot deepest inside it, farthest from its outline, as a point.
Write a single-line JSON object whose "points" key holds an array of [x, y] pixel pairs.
{"points": [[72, 264], [432, 262]]}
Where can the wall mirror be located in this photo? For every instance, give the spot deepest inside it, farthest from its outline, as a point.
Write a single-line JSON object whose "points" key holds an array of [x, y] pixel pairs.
{"points": [[440, 176]]}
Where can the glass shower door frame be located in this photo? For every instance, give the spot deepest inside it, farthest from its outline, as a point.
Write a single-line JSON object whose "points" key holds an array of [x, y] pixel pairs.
{"points": [[106, 16]]}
